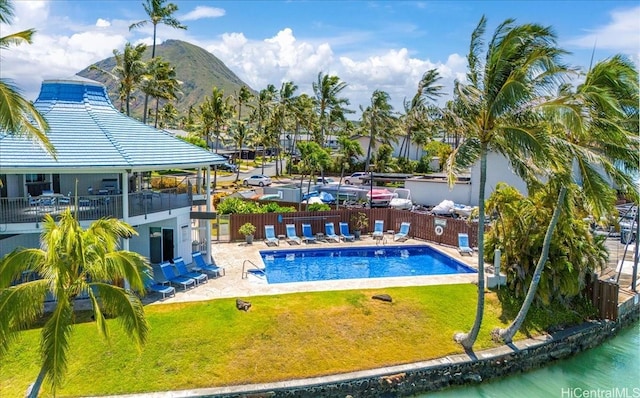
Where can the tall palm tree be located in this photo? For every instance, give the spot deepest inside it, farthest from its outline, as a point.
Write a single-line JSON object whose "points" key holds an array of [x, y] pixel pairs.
{"points": [[416, 114], [284, 114], [261, 115], [329, 106], [128, 71], [522, 65], [598, 137], [160, 83], [348, 150], [71, 262], [18, 116], [241, 132], [158, 13], [379, 120], [167, 116]]}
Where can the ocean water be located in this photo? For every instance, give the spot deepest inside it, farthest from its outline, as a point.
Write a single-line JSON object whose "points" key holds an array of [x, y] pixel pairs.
{"points": [[609, 370]]}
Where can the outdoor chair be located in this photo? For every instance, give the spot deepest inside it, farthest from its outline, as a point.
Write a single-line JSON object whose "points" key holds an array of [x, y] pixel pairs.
{"points": [[330, 232], [345, 234], [201, 265], [378, 230], [463, 244], [403, 234], [292, 236], [307, 234], [184, 271], [173, 278], [270, 236], [152, 286]]}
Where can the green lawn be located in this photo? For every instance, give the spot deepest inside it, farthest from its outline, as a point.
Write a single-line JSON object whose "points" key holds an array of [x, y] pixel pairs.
{"points": [[208, 344]]}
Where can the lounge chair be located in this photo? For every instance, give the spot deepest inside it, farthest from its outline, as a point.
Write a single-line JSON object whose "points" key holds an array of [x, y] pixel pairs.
{"points": [[203, 266], [463, 244], [307, 234], [378, 230], [184, 271], [152, 286], [403, 234], [173, 278], [330, 232], [270, 236], [344, 232], [292, 236]]}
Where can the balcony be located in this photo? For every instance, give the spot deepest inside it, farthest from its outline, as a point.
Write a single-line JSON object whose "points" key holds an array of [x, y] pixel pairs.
{"points": [[90, 207]]}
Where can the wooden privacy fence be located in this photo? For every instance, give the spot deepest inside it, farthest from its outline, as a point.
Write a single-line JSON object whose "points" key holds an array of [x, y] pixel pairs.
{"points": [[604, 297], [423, 226]]}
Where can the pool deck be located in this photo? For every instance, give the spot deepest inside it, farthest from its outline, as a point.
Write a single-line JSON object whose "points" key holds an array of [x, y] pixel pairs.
{"points": [[232, 255]]}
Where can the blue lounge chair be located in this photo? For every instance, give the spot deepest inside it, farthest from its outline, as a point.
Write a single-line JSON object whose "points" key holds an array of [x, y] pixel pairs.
{"points": [[403, 234], [307, 234], [330, 232], [184, 271], [344, 232], [463, 244], [152, 286], [378, 230], [270, 236], [203, 266], [173, 278], [292, 236]]}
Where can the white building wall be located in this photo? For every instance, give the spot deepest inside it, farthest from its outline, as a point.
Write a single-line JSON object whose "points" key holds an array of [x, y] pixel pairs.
{"points": [[430, 192], [498, 170]]}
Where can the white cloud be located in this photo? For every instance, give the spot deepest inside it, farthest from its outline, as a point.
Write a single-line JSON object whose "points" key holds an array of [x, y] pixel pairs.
{"points": [[620, 35], [285, 58], [102, 23], [201, 12]]}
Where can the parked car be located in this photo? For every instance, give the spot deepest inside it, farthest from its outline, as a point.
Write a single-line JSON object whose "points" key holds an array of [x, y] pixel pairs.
{"points": [[355, 178], [325, 180], [226, 166], [259, 180]]}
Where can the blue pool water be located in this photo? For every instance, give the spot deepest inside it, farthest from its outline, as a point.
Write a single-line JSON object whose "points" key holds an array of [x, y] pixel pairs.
{"points": [[284, 266]]}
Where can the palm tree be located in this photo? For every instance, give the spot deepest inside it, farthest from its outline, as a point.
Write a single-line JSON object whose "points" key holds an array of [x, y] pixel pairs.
{"points": [[158, 13], [378, 119], [598, 138], [72, 262], [497, 105], [128, 72], [348, 150], [160, 83], [329, 106], [167, 116], [18, 116], [415, 111], [241, 133], [284, 111], [261, 115]]}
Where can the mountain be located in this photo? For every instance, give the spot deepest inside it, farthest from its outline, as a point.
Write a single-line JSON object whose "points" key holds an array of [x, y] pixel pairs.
{"points": [[197, 69]]}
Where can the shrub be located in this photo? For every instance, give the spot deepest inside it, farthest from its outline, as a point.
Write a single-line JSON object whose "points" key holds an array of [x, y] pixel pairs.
{"points": [[318, 207], [247, 229]]}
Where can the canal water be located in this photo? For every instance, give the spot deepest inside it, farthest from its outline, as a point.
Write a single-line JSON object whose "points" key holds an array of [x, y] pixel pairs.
{"points": [[609, 370]]}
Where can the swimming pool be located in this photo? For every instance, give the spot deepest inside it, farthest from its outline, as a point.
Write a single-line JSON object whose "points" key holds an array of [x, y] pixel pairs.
{"points": [[284, 266]]}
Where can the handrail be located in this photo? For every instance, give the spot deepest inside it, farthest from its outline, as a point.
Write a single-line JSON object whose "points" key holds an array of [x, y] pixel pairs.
{"points": [[245, 273]]}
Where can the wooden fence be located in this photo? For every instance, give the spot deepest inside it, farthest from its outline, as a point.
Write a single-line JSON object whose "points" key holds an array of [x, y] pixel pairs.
{"points": [[604, 297], [422, 225]]}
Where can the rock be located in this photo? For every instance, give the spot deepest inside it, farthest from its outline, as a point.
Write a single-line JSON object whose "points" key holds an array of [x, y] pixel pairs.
{"points": [[243, 305], [383, 297]]}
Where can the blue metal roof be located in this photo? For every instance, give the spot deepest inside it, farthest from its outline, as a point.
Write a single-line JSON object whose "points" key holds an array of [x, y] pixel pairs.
{"points": [[89, 134]]}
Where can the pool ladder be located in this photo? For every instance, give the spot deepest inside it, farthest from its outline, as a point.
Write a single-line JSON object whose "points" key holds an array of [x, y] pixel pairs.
{"points": [[255, 270]]}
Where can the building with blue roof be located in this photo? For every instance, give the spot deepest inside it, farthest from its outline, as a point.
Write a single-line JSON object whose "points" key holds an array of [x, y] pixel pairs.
{"points": [[102, 167]]}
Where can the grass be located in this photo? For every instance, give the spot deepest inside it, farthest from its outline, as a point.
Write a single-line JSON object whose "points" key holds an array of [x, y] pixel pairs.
{"points": [[209, 344]]}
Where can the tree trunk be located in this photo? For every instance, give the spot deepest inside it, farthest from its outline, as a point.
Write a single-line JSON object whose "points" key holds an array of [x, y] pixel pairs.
{"points": [[468, 339], [507, 334], [34, 389]]}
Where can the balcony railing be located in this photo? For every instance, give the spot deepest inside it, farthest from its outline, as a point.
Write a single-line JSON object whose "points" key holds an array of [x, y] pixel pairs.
{"points": [[90, 207]]}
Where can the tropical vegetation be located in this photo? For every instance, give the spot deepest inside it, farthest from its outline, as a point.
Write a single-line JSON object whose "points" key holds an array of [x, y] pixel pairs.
{"points": [[71, 263]]}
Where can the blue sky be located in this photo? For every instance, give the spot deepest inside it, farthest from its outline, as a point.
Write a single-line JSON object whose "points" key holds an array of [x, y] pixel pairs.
{"points": [[370, 45]]}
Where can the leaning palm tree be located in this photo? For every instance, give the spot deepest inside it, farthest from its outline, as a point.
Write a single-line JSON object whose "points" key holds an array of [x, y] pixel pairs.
{"points": [[158, 13], [597, 137], [522, 65], [18, 116], [160, 83], [71, 262]]}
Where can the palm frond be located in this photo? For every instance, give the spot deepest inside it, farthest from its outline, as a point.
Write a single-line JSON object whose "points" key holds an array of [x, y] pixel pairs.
{"points": [[56, 334], [20, 306], [129, 308]]}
